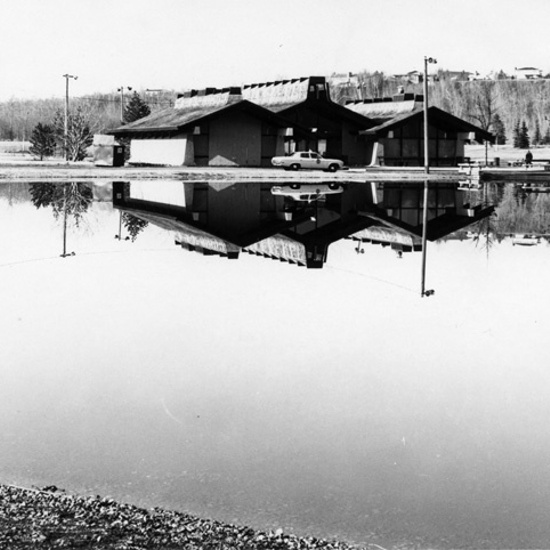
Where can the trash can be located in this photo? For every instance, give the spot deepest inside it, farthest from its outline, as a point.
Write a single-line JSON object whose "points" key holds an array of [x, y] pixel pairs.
{"points": [[118, 155], [107, 152], [497, 161]]}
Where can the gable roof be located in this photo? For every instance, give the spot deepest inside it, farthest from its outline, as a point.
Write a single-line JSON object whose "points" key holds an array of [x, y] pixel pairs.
{"points": [[280, 94], [176, 119], [435, 115], [436, 228], [283, 96], [383, 110]]}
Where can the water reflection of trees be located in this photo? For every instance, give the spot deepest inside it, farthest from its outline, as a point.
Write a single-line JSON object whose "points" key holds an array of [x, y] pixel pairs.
{"points": [[484, 231], [67, 199], [516, 212], [133, 225], [71, 200], [519, 212]]}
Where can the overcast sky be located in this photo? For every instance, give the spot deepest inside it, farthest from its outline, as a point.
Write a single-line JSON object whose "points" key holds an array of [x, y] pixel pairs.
{"points": [[182, 44]]}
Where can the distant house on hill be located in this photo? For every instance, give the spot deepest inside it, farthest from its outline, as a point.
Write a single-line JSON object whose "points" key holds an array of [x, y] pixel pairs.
{"points": [[414, 77], [528, 73], [457, 76]]}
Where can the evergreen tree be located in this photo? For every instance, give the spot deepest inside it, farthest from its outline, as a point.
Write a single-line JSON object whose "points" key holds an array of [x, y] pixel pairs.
{"points": [[42, 194], [499, 130], [524, 141], [133, 225], [136, 109], [42, 141], [517, 134]]}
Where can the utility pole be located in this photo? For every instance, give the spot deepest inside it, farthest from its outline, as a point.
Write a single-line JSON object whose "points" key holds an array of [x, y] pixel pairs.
{"points": [[426, 149], [66, 134], [121, 90]]}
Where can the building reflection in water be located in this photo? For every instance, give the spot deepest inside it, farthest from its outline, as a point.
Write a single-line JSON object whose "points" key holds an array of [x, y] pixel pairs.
{"points": [[292, 225]]}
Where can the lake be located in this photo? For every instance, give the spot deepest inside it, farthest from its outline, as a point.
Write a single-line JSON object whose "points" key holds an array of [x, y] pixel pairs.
{"points": [[334, 401]]}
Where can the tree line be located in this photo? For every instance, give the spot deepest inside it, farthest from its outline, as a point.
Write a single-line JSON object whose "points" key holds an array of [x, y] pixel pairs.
{"points": [[18, 117]]}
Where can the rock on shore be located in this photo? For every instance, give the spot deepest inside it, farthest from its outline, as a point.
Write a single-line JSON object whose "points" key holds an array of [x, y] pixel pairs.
{"points": [[50, 518]]}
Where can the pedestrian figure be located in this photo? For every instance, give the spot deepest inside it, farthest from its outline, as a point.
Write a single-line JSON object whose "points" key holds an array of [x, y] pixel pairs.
{"points": [[528, 158]]}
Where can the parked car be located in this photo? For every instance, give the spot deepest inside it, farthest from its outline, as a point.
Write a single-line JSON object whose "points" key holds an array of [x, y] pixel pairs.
{"points": [[309, 159], [309, 192]]}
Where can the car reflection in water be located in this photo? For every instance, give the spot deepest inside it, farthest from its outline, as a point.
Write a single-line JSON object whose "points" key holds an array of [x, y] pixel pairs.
{"points": [[308, 193], [525, 240], [294, 225]]}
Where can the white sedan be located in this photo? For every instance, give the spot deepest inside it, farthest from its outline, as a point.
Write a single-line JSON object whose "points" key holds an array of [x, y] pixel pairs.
{"points": [[308, 193], [309, 160]]}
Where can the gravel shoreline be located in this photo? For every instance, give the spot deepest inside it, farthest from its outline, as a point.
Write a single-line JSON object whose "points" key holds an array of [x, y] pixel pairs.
{"points": [[49, 518]]}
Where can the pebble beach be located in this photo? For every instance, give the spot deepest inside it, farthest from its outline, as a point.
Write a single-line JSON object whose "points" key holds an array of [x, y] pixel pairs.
{"points": [[50, 518]]}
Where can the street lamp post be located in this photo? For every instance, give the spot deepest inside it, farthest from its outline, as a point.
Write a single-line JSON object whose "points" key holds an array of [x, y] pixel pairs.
{"points": [[67, 77], [423, 291], [426, 150], [121, 90]]}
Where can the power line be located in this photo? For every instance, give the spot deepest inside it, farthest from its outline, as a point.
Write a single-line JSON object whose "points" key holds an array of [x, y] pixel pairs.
{"points": [[117, 100], [385, 281], [97, 253]]}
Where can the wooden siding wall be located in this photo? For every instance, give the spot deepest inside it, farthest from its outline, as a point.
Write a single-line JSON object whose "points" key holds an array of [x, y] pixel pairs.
{"points": [[272, 143], [175, 151], [353, 147], [235, 140]]}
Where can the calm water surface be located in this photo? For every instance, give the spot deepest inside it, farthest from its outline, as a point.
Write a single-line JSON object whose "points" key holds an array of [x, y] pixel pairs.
{"points": [[332, 402]]}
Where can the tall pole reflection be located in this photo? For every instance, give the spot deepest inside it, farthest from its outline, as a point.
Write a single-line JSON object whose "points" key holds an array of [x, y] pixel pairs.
{"points": [[64, 221], [423, 291], [65, 216], [65, 208], [119, 235]]}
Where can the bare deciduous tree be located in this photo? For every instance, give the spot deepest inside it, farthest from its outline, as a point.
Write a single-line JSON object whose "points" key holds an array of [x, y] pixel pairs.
{"points": [[79, 134]]}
